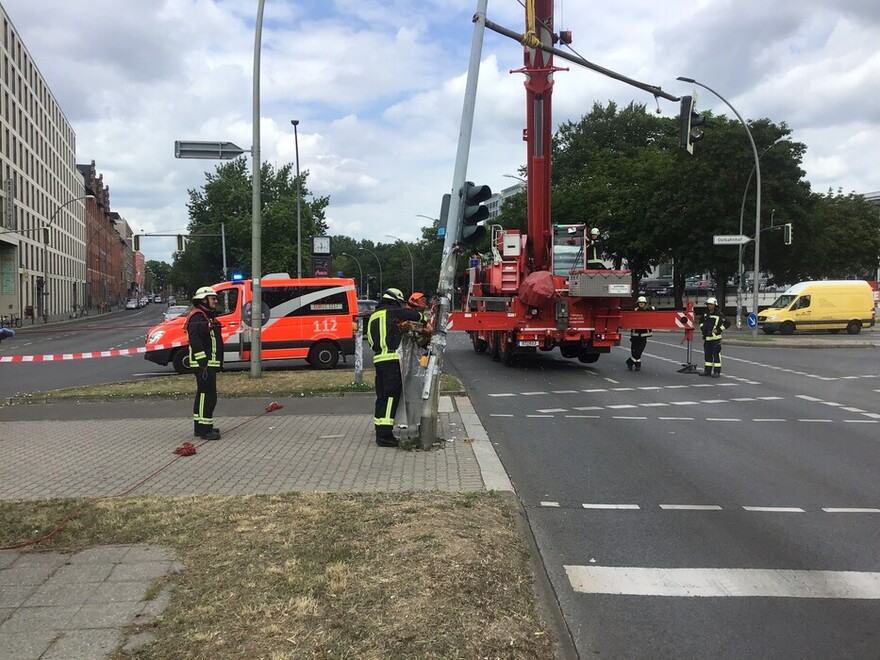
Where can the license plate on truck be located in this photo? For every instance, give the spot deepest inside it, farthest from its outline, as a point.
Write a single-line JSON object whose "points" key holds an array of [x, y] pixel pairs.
{"points": [[526, 343]]}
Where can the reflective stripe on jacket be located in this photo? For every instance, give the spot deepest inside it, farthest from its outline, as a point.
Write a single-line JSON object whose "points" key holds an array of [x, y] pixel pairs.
{"points": [[205, 340], [712, 325], [383, 330]]}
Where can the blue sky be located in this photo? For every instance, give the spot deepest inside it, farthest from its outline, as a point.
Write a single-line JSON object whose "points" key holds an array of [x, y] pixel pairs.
{"points": [[378, 87]]}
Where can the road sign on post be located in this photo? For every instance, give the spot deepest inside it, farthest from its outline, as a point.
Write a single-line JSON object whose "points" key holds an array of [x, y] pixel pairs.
{"points": [[733, 239], [215, 150]]}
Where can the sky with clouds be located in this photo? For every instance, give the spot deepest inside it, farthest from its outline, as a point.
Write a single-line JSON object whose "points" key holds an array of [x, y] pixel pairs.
{"points": [[377, 87]]}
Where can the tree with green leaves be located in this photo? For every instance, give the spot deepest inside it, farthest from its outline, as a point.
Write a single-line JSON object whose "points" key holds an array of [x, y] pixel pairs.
{"points": [[226, 197]]}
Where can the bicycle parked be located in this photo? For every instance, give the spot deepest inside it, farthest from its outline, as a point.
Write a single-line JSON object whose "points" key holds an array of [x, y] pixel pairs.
{"points": [[11, 321]]}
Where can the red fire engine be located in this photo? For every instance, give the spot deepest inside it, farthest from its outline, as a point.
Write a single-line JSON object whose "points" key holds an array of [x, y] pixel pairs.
{"points": [[534, 291]]}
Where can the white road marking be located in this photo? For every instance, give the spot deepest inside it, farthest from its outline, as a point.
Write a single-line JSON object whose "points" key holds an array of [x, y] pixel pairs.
{"points": [[723, 582], [549, 503], [743, 399], [691, 507], [611, 506], [806, 397], [676, 387], [565, 391], [723, 419], [727, 384], [768, 419], [626, 417], [539, 416], [583, 416], [650, 387], [683, 403], [774, 509], [872, 415], [714, 401], [611, 380], [622, 389], [832, 509], [702, 385], [601, 389], [831, 403], [654, 405], [532, 393], [499, 415], [587, 407], [503, 394], [861, 421], [819, 421], [553, 410], [676, 419], [769, 398], [621, 406], [855, 410]]}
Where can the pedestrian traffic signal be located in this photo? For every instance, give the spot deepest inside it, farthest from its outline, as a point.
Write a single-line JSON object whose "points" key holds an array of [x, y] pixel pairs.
{"points": [[181, 243], [689, 123], [473, 212], [786, 233], [45, 236], [136, 243]]}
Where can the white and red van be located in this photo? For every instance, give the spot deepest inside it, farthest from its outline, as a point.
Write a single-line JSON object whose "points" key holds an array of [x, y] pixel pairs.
{"points": [[311, 318]]}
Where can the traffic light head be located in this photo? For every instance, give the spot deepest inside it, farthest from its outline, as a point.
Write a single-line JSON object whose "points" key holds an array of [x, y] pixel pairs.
{"points": [[474, 212], [136, 243], [786, 233], [689, 124]]}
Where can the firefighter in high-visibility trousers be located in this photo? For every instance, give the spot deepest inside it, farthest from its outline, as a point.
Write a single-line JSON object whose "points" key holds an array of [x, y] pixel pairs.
{"points": [[638, 338], [383, 333], [712, 325], [206, 359]]}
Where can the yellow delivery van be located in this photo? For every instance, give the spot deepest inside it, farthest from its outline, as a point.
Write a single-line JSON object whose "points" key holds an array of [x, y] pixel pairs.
{"points": [[831, 305]]}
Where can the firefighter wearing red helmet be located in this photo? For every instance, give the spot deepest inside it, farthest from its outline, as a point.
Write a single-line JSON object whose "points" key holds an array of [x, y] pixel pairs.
{"points": [[206, 359]]}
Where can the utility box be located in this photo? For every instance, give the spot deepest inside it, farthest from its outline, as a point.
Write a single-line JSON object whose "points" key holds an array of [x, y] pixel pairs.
{"points": [[600, 284], [512, 245]]}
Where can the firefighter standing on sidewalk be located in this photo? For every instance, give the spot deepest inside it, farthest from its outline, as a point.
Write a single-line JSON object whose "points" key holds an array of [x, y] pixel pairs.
{"points": [[638, 338], [712, 324], [383, 333], [206, 359]]}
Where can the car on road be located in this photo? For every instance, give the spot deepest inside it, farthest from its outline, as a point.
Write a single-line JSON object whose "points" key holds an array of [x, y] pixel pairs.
{"points": [[697, 287], [655, 287], [175, 310], [366, 307], [157, 298], [144, 301], [132, 303]]}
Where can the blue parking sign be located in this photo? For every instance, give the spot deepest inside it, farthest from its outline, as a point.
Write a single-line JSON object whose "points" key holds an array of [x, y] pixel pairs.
{"points": [[752, 320]]}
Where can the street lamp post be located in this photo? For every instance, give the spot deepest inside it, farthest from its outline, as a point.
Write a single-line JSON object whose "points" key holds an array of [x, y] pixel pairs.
{"points": [[360, 270], [299, 264], [256, 227], [378, 262], [412, 264], [427, 217], [757, 191], [739, 266], [514, 176], [45, 292]]}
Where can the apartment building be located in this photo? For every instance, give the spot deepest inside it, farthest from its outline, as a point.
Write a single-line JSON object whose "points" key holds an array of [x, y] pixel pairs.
{"points": [[41, 191]]}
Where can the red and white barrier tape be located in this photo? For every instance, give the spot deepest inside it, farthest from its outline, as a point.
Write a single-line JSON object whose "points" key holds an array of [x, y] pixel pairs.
{"points": [[58, 357]]}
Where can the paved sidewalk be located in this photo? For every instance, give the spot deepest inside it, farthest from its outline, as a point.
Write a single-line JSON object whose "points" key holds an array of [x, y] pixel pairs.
{"points": [[76, 606]]}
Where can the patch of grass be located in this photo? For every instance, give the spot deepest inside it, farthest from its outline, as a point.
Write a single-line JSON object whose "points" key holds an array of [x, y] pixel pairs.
{"points": [[406, 575], [230, 384]]}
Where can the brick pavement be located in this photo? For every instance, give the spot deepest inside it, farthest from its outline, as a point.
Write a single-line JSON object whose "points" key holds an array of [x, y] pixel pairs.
{"points": [[54, 605]]}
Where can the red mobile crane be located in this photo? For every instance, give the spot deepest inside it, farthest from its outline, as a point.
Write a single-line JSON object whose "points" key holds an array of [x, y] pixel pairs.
{"points": [[534, 291]]}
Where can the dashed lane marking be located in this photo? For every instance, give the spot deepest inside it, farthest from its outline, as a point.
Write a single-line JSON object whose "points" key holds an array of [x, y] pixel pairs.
{"points": [[611, 506], [691, 507], [817, 421], [861, 421], [723, 419], [676, 419], [553, 410], [550, 504], [850, 510], [627, 417], [712, 507], [769, 419], [500, 415], [583, 416], [774, 509]]}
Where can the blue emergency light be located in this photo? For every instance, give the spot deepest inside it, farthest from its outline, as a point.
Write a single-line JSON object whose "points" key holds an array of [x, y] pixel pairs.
{"points": [[237, 277]]}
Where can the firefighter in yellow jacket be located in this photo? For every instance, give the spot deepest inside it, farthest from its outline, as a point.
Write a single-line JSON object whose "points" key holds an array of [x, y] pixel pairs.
{"points": [[384, 333], [206, 359], [712, 324]]}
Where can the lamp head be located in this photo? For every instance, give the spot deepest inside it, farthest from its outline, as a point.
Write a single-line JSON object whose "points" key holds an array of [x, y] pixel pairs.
{"points": [[687, 80], [295, 122]]}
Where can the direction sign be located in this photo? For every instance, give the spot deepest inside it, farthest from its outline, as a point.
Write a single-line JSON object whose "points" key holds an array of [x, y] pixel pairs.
{"points": [[215, 150], [731, 239], [752, 320]]}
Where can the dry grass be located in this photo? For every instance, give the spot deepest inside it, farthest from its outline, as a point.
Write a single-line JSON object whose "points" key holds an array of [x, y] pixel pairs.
{"points": [[231, 384], [305, 575]]}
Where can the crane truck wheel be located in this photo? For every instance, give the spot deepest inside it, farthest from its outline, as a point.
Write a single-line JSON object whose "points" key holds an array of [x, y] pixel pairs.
{"points": [[588, 358], [494, 343], [569, 351], [505, 351]]}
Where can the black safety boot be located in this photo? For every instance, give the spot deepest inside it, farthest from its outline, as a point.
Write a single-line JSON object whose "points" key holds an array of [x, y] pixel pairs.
{"points": [[717, 374], [213, 434], [386, 439], [638, 366], [629, 363], [200, 432], [706, 372]]}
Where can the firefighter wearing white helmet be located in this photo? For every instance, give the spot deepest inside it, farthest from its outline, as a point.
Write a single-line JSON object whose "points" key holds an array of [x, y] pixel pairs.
{"points": [[638, 338], [206, 359], [712, 324], [595, 249], [383, 333]]}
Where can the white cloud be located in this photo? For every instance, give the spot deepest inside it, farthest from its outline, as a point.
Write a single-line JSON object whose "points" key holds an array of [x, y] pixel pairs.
{"points": [[378, 89]]}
